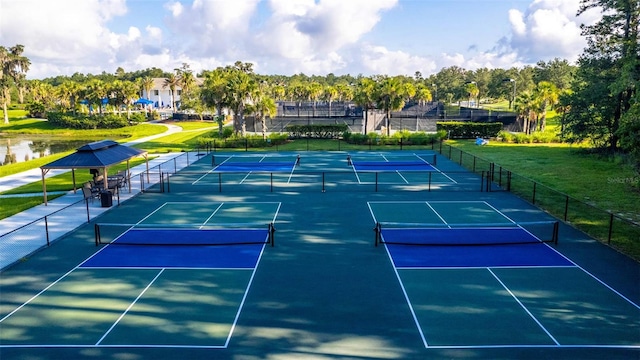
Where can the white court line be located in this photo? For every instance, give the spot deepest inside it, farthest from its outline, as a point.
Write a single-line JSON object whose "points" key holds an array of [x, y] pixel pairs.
{"points": [[130, 306], [523, 307]]}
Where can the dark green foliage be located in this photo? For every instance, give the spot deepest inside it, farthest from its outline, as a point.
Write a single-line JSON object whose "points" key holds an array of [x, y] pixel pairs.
{"points": [[329, 131], [251, 141], [87, 122], [469, 130], [36, 110]]}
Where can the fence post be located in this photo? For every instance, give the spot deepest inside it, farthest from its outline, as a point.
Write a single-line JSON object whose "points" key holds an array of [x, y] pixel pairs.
{"points": [[86, 202], [533, 199], [610, 228], [46, 229], [566, 207]]}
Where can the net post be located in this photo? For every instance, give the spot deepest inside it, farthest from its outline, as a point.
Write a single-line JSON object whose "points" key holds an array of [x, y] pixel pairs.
{"points": [[272, 231], [482, 182], [213, 159], [556, 227], [435, 157], [376, 181], [271, 179], [219, 182], [97, 233], [323, 183], [429, 181], [376, 229], [168, 184]]}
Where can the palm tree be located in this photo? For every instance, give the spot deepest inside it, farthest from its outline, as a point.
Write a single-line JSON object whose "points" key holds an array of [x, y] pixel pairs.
{"points": [[314, 91], [146, 84], [123, 93], [390, 95], [69, 93], [96, 90], [172, 81], [546, 94], [13, 66], [364, 96], [239, 88], [525, 105], [330, 93], [262, 106], [563, 106], [214, 93]]}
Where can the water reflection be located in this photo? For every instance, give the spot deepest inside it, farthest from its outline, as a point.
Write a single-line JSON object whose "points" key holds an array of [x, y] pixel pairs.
{"points": [[24, 148]]}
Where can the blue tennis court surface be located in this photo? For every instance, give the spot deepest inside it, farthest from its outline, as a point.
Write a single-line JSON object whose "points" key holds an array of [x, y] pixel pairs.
{"points": [[187, 248], [392, 166], [255, 167], [528, 255]]}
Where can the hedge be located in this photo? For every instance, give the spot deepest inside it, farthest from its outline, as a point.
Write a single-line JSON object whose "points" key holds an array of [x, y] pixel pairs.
{"points": [[88, 122], [329, 131], [469, 130]]}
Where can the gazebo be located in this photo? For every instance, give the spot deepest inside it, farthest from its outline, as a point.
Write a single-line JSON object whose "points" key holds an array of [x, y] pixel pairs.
{"points": [[96, 155]]}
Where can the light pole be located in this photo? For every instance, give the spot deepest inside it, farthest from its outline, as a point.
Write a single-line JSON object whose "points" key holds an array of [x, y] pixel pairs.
{"points": [[435, 87], [513, 97]]}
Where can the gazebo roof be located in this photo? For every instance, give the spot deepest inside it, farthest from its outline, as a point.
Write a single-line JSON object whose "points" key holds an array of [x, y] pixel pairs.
{"points": [[97, 154]]}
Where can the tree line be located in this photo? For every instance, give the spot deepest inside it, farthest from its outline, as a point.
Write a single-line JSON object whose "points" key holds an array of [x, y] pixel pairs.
{"points": [[597, 99]]}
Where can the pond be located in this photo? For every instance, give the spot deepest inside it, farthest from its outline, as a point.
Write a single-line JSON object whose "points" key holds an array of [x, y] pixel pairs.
{"points": [[20, 148]]}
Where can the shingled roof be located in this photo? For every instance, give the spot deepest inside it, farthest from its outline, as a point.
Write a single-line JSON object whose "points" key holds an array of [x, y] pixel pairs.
{"points": [[98, 154]]}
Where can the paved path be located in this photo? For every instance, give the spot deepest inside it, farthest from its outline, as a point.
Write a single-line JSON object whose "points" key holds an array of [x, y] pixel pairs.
{"points": [[18, 240]]}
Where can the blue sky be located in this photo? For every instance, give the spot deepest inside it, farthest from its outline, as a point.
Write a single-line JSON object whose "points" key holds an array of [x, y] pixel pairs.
{"points": [[394, 37]]}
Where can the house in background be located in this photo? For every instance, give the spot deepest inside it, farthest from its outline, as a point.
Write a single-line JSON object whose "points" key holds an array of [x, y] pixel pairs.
{"points": [[161, 94]]}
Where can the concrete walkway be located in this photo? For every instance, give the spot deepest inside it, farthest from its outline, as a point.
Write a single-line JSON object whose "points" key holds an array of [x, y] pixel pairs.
{"points": [[26, 232]]}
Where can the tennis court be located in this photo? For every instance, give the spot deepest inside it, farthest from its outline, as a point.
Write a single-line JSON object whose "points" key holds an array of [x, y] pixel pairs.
{"points": [[325, 171], [322, 256], [155, 282], [480, 263]]}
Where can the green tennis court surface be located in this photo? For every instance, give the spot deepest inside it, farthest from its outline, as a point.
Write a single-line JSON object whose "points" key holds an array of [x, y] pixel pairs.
{"points": [[191, 272]]}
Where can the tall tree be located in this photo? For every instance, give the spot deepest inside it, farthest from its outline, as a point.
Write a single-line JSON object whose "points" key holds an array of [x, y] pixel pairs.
{"points": [[172, 82], [214, 93], [390, 95], [609, 71], [13, 66], [240, 87], [364, 96], [546, 94], [146, 84]]}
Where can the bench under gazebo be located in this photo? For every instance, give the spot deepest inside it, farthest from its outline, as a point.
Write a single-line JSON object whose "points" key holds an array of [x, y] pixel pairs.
{"points": [[97, 157]]}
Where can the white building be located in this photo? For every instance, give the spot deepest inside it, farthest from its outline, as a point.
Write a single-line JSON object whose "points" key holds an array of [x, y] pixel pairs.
{"points": [[161, 94]]}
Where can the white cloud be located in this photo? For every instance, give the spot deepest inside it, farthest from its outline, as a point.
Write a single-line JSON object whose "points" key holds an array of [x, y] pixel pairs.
{"points": [[548, 29], [379, 60]]}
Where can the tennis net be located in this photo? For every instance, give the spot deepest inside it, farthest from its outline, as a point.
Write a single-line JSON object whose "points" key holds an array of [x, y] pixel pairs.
{"points": [[466, 234], [184, 234], [392, 161]]}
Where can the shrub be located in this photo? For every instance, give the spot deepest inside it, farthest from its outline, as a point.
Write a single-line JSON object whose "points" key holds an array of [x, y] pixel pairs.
{"points": [[319, 131], [469, 130]]}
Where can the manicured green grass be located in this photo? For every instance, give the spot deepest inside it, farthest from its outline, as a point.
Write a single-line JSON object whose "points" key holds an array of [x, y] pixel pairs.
{"points": [[584, 187], [13, 114], [571, 170], [12, 206]]}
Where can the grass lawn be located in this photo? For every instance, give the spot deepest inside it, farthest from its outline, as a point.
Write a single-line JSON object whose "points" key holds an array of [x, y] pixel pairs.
{"points": [[598, 183], [571, 170]]}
